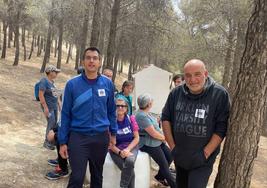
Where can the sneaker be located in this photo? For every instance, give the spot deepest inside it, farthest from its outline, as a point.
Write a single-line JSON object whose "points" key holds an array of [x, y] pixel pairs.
{"points": [[56, 174], [48, 146], [52, 162]]}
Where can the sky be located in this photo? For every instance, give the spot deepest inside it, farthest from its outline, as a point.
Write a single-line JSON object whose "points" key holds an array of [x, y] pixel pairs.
{"points": [[175, 6]]}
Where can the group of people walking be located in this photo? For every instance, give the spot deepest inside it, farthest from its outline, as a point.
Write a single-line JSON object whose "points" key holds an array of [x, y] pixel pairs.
{"points": [[96, 120]]}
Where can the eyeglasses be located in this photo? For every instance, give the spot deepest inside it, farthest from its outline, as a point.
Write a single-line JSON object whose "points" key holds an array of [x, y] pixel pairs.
{"points": [[121, 106], [94, 58]]}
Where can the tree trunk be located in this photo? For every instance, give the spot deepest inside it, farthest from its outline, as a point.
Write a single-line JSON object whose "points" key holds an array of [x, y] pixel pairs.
{"points": [[249, 102], [69, 54], [116, 60], [96, 23], [23, 44], [60, 41], [103, 25], [56, 48], [83, 38], [112, 33], [132, 63], [16, 60], [3, 55], [121, 67], [77, 59], [10, 35], [38, 46], [237, 56], [0, 38], [228, 64], [32, 46], [48, 41]]}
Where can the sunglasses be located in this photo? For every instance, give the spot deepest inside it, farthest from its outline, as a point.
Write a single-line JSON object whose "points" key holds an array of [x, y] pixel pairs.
{"points": [[121, 106]]}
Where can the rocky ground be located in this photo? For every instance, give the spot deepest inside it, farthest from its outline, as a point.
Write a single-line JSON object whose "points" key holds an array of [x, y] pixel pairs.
{"points": [[23, 161]]}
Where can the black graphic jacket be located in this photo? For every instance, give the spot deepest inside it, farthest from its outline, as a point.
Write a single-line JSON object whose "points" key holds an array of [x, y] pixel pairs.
{"points": [[194, 119]]}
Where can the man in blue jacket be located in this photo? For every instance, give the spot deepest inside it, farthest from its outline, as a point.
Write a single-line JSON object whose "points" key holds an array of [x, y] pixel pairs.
{"points": [[88, 121], [195, 120]]}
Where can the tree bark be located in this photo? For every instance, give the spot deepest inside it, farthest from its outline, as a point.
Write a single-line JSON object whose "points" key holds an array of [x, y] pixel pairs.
{"points": [[23, 43], [60, 41], [0, 37], [83, 38], [56, 48], [77, 59], [239, 48], [96, 23], [3, 55], [112, 33], [48, 40], [10, 35], [116, 61], [249, 102], [32, 46], [69, 54], [16, 60], [103, 25], [132, 63], [228, 64]]}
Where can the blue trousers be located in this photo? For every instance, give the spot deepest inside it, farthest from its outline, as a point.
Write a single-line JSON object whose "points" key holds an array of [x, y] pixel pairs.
{"points": [[83, 148]]}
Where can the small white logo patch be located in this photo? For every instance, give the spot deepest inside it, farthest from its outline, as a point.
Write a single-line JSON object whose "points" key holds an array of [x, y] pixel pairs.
{"points": [[101, 93], [200, 113], [126, 130]]}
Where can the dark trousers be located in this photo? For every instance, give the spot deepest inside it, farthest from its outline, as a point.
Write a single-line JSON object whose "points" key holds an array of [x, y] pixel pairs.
{"points": [[83, 148], [62, 163], [162, 156], [195, 178]]}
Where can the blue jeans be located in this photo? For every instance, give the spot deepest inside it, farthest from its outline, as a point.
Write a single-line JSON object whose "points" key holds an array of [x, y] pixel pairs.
{"points": [[127, 168]]}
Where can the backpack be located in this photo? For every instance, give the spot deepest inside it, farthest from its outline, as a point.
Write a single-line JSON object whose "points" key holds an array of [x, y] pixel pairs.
{"points": [[36, 91]]}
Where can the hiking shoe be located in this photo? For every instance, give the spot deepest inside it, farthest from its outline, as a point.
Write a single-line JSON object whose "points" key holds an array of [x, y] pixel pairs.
{"points": [[48, 146], [52, 162], [56, 174]]}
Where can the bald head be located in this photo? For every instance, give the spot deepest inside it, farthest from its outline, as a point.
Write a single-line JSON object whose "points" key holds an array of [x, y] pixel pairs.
{"points": [[195, 63], [195, 75]]}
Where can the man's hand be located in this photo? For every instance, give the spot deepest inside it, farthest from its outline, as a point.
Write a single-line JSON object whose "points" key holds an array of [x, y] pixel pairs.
{"points": [[51, 136], [214, 142], [112, 140], [64, 151]]}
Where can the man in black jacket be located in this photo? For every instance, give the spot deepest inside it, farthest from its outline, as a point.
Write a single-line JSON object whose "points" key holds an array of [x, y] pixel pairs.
{"points": [[195, 120]]}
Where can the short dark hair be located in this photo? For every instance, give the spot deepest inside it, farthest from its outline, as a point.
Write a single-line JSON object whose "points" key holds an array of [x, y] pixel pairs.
{"points": [[94, 49], [178, 76], [126, 83]]}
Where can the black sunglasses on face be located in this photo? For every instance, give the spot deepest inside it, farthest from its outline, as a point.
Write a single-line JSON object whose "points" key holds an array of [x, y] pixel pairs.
{"points": [[120, 106]]}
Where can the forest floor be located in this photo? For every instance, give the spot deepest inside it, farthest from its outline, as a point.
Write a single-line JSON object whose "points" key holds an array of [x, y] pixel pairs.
{"points": [[23, 160]]}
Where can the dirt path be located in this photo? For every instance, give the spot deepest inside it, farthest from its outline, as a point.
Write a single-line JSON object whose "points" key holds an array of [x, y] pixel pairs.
{"points": [[22, 126]]}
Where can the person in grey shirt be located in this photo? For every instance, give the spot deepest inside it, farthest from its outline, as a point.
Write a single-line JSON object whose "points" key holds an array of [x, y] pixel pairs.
{"points": [[152, 140], [48, 95]]}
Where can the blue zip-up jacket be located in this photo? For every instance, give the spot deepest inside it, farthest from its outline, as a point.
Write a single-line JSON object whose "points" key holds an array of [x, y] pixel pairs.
{"points": [[88, 108]]}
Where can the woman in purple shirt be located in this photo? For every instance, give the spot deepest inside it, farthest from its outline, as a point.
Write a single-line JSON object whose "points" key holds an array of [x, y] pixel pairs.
{"points": [[125, 151]]}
